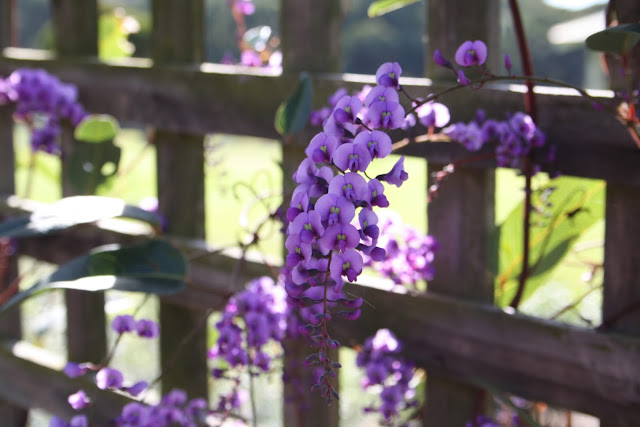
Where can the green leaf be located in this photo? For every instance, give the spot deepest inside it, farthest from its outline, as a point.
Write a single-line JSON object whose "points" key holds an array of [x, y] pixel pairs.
{"points": [[381, 7], [91, 165], [97, 128], [575, 205], [293, 114], [152, 267], [619, 39], [72, 211]]}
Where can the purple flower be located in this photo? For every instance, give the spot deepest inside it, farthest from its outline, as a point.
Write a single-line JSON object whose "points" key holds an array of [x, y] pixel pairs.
{"points": [[147, 328], [377, 193], [317, 117], [347, 263], [108, 378], [250, 58], [176, 397], [377, 142], [334, 208], [137, 388], [471, 53], [347, 109], [350, 156], [79, 421], [299, 203], [339, 237], [433, 114], [381, 93], [470, 135], [321, 148], [350, 185], [368, 220], [440, 60], [244, 7], [507, 62], [74, 370], [134, 414], [79, 400], [337, 95], [298, 250], [388, 74], [385, 114], [124, 323], [307, 225], [396, 175], [462, 79]]}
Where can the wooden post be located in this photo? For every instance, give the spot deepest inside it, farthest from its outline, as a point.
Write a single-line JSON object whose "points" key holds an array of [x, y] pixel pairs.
{"points": [[621, 285], [76, 35], [461, 216], [310, 42], [178, 37]]}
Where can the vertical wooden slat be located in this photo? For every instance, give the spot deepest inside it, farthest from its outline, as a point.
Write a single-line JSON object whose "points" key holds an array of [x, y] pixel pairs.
{"points": [[76, 35], [310, 32], [462, 215], [10, 325], [178, 37], [621, 284]]}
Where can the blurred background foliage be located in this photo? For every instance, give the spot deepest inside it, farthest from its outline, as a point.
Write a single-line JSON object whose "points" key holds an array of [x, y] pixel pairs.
{"points": [[367, 42]]}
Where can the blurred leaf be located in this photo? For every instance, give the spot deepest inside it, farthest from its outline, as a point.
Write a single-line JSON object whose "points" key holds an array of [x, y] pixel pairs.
{"points": [[90, 165], [575, 205], [619, 39], [72, 211], [293, 114], [152, 267], [113, 40], [97, 128], [381, 7]]}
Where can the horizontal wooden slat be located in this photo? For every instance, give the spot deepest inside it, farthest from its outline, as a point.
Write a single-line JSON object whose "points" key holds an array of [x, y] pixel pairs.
{"points": [[241, 100], [28, 380], [560, 364]]}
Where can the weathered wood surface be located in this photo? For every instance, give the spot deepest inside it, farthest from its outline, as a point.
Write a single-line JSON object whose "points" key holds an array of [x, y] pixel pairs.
{"points": [[559, 364], [220, 98], [177, 37], [30, 380], [461, 217]]}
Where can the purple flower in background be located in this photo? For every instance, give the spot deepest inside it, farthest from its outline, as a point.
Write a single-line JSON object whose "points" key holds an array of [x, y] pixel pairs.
{"points": [[507, 62], [79, 400], [74, 370], [433, 114], [388, 74], [471, 53], [250, 58], [244, 7], [462, 79], [123, 323], [137, 388], [147, 328], [440, 60], [347, 109], [108, 378]]}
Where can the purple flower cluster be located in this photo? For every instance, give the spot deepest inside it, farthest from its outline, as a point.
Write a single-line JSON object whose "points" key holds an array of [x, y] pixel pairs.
{"points": [[383, 366], [331, 218], [262, 308], [410, 253], [145, 328], [174, 409], [516, 137], [76, 421], [42, 101]]}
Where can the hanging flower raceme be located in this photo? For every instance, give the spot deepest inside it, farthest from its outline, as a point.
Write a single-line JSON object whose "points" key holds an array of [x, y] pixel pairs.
{"points": [[332, 221], [384, 367]]}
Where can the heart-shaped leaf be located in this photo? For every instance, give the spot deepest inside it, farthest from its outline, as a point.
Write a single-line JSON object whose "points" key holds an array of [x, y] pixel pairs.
{"points": [[97, 128], [72, 211], [154, 267], [91, 164], [619, 39], [293, 114]]}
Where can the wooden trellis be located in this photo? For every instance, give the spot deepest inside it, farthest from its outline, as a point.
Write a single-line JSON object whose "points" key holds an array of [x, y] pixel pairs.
{"points": [[453, 331]]}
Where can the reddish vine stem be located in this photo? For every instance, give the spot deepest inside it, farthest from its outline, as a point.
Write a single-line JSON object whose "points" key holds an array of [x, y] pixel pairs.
{"points": [[531, 109]]}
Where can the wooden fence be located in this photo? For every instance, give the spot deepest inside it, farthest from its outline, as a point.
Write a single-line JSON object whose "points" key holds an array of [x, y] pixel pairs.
{"points": [[453, 331]]}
